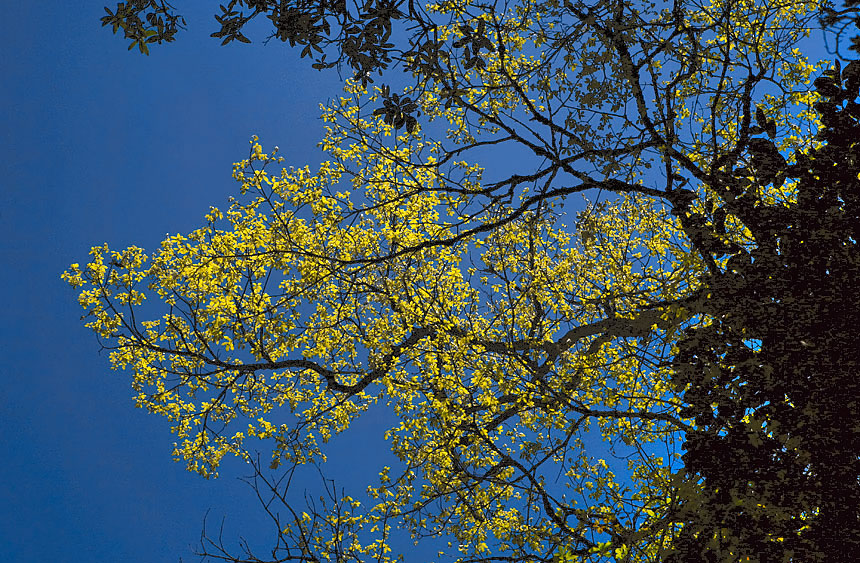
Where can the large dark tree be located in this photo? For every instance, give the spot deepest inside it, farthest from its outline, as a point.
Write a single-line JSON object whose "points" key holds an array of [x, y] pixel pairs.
{"points": [[773, 381]]}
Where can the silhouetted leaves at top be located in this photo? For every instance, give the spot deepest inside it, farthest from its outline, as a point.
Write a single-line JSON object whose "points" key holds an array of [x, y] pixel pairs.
{"points": [[359, 37], [158, 25]]}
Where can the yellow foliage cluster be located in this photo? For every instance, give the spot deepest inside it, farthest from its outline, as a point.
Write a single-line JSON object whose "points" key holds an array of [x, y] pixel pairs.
{"points": [[396, 276]]}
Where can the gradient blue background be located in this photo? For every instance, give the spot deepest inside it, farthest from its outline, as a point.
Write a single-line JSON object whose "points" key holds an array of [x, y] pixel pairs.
{"points": [[101, 144]]}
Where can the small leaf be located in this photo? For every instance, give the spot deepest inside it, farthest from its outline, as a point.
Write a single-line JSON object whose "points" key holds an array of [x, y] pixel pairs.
{"points": [[770, 129], [827, 86], [851, 75]]}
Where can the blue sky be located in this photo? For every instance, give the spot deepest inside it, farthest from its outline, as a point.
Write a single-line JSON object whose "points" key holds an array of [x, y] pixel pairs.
{"points": [[102, 144]]}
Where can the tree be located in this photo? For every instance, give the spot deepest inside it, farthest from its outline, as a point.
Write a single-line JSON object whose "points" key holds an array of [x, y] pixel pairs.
{"points": [[402, 273], [771, 381]]}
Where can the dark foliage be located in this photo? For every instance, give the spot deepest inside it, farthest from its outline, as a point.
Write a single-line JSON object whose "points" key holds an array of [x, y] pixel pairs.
{"points": [[358, 34], [783, 352], [158, 25]]}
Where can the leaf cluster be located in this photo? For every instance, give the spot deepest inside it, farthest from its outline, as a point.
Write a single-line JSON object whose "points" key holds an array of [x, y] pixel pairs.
{"points": [[397, 111], [358, 34], [159, 23]]}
